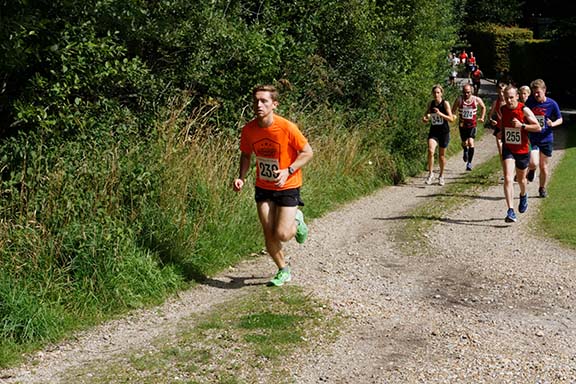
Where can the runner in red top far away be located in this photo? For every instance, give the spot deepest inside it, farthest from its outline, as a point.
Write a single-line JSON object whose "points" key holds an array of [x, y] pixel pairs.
{"points": [[471, 64], [476, 77], [463, 57]]}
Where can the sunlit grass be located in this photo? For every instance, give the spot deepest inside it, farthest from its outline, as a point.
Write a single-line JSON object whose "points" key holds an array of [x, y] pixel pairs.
{"points": [[244, 341], [557, 212]]}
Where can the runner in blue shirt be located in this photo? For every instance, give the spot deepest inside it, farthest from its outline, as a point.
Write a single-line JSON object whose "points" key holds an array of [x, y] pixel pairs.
{"points": [[548, 114]]}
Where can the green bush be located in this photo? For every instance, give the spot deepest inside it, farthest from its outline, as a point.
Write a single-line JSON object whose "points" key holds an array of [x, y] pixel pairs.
{"points": [[122, 136], [491, 45]]}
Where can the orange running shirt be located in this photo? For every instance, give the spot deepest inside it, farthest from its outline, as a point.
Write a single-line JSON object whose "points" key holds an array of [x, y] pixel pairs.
{"points": [[275, 147]]}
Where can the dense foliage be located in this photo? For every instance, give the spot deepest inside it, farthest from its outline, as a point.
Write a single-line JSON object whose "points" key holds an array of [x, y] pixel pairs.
{"points": [[119, 122], [503, 12]]}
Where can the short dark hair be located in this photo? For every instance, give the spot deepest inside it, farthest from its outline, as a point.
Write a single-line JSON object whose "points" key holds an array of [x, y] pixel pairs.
{"points": [[266, 88]]}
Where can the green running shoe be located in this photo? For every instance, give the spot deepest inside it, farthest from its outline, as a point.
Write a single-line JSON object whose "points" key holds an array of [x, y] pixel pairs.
{"points": [[301, 227], [281, 277]]}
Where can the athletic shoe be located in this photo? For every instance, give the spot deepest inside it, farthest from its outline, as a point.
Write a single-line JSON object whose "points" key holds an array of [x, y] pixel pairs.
{"points": [[542, 192], [523, 206], [510, 216], [301, 227], [281, 277], [468, 166], [441, 181], [429, 179], [530, 175]]}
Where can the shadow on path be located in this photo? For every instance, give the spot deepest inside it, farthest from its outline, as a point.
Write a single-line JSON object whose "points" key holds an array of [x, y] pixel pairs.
{"points": [[234, 282], [475, 222]]}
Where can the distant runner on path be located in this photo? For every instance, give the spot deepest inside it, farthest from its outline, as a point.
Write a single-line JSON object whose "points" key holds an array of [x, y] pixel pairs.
{"points": [[476, 77], [438, 114], [281, 150], [548, 115], [467, 106], [517, 121]]}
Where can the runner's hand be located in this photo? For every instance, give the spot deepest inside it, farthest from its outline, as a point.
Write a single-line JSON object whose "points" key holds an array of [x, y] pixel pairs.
{"points": [[238, 184], [281, 177]]}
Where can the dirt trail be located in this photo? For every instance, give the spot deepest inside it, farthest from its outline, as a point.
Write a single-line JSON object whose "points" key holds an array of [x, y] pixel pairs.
{"points": [[489, 303]]}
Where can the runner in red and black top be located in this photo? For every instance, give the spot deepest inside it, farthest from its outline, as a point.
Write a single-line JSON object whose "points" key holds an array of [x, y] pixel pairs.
{"points": [[467, 107], [517, 120]]}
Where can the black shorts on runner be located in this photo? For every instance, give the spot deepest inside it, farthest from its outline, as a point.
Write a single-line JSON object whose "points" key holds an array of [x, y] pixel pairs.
{"points": [[522, 160], [443, 139], [467, 133], [284, 198], [544, 148]]}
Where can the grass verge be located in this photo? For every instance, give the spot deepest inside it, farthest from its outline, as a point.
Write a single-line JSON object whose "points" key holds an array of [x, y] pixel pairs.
{"points": [[556, 217], [241, 341]]}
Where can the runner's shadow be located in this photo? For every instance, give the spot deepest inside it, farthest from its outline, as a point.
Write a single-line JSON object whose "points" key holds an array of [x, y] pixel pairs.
{"points": [[468, 196], [233, 282], [475, 222]]}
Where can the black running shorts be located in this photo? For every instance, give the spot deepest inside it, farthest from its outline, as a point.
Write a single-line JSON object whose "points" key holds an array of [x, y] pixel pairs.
{"points": [[522, 160], [284, 198]]}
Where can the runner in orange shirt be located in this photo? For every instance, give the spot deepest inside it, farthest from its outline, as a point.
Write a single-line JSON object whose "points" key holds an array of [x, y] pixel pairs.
{"points": [[281, 150]]}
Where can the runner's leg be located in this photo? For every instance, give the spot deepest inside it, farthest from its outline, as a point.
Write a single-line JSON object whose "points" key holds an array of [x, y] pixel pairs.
{"points": [[470, 144], [431, 151], [509, 166], [442, 160], [544, 169], [267, 212]]}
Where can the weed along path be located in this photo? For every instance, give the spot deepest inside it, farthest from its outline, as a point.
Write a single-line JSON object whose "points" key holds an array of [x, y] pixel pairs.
{"points": [[456, 296]]}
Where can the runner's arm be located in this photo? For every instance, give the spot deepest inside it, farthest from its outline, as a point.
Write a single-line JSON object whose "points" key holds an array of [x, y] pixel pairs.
{"points": [[449, 116], [304, 156], [555, 123], [532, 125], [426, 116], [482, 109], [455, 105], [245, 159]]}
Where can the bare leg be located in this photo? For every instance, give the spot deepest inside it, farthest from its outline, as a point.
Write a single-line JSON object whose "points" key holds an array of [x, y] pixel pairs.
{"points": [[431, 150], [509, 166], [522, 181], [442, 160], [534, 159], [544, 169], [278, 225]]}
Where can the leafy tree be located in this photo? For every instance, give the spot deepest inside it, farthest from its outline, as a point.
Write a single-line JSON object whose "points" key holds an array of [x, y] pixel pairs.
{"points": [[503, 12]]}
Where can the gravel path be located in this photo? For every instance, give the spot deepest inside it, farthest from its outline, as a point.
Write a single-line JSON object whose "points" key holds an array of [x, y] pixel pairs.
{"points": [[482, 302]]}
